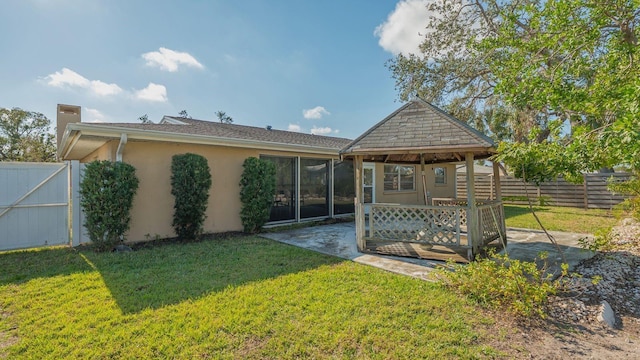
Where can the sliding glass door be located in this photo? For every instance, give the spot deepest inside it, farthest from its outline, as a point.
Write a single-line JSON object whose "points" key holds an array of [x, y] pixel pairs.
{"points": [[314, 187], [343, 187], [284, 202], [304, 188]]}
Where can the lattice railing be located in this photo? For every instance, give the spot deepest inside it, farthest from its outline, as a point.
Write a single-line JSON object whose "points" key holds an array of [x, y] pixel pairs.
{"points": [[491, 221], [460, 203], [416, 223]]}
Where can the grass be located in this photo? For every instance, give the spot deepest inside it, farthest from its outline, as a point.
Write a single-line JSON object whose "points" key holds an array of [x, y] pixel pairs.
{"points": [[239, 297], [559, 218]]}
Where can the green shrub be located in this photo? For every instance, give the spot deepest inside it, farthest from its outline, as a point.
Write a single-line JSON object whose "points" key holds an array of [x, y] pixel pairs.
{"points": [[190, 184], [499, 282], [601, 240], [630, 187], [257, 189], [107, 190]]}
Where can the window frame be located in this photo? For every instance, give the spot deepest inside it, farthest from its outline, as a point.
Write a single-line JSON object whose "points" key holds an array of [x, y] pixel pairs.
{"points": [[398, 175], [443, 176]]}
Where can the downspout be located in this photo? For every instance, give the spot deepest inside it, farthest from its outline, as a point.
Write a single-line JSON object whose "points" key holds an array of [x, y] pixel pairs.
{"points": [[123, 142]]}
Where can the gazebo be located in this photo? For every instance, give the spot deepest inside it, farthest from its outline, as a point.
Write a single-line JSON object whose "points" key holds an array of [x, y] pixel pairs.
{"points": [[420, 134]]}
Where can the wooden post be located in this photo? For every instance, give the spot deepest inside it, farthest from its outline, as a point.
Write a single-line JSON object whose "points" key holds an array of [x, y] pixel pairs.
{"points": [[496, 182], [473, 228], [359, 201], [424, 180]]}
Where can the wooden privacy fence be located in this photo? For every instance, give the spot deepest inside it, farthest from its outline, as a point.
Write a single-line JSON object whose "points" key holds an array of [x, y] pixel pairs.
{"points": [[591, 194]]}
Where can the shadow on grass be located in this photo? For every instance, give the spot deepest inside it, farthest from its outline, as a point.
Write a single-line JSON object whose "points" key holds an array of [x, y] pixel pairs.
{"points": [[171, 273], [24, 265]]}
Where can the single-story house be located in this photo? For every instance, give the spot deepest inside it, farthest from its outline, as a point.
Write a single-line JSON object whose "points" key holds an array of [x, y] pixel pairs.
{"points": [[313, 181]]}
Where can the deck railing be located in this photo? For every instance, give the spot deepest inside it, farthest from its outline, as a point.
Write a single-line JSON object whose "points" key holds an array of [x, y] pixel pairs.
{"points": [[491, 221], [444, 223], [438, 225]]}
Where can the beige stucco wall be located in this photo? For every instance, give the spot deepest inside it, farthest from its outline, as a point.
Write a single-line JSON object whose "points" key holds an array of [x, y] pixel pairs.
{"points": [[447, 190], [105, 152], [152, 211]]}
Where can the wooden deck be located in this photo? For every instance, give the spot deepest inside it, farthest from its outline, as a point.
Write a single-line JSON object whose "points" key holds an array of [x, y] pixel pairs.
{"points": [[420, 251]]}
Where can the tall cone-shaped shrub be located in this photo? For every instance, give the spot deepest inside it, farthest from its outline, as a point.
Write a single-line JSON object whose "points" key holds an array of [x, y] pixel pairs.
{"points": [[107, 190], [190, 184], [257, 189]]}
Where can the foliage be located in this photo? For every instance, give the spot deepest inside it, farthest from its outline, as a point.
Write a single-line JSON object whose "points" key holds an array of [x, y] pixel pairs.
{"points": [[237, 297], [107, 190], [145, 119], [561, 74], [190, 184], [525, 63], [498, 282], [601, 240], [629, 187], [257, 189], [224, 118], [25, 136], [184, 114]]}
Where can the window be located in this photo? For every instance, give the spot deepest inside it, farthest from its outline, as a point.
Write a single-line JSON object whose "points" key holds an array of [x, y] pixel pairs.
{"points": [[399, 178], [441, 175]]}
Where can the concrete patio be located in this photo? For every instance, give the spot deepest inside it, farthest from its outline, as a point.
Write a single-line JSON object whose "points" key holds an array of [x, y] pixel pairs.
{"points": [[339, 240]]}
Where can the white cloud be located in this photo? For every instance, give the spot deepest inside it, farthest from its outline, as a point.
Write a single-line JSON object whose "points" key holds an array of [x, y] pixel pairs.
{"points": [[400, 33], [104, 89], [70, 78], [294, 128], [153, 92], [322, 130], [169, 60], [67, 77], [315, 113], [93, 115]]}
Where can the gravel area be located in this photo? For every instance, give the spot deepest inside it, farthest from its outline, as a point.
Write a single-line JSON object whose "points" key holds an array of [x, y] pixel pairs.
{"points": [[619, 284]]}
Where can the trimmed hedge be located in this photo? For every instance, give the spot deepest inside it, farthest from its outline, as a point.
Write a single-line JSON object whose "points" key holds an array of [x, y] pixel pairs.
{"points": [[257, 189], [107, 190], [190, 184]]}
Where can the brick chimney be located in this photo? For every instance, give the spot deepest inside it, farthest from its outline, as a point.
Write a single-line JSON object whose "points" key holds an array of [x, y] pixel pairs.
{"points": [[66, 114]]}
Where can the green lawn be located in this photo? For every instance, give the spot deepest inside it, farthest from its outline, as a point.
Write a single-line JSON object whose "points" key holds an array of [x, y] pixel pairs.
{"points": [[559, 218], [242, 297]]}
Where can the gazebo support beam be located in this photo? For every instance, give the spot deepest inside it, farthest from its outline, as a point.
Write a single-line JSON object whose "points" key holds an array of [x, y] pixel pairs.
{"points": [[359, 203], [473, 228]]}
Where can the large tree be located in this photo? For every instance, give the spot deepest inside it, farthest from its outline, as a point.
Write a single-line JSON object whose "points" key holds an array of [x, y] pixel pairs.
{"points": [[558, 79], [525, 64], [25, 136]]}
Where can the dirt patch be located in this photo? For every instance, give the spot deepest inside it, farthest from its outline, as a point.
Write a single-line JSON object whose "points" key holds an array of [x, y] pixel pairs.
{"points": [[550, 339]]}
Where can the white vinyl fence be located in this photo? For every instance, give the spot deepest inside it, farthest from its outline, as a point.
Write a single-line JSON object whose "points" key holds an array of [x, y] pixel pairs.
{"points": [[36, 208]]}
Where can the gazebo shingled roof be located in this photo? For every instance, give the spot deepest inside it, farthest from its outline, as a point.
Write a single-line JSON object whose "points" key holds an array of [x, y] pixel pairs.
{"points": [[419, 127]]}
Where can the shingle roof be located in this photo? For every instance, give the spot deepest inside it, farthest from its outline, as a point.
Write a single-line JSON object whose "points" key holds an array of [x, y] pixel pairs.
{"points": [[240, 132], [419, 127]]}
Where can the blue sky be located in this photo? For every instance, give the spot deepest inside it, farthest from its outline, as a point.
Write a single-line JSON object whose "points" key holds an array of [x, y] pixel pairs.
{"points": [[309, 66]]}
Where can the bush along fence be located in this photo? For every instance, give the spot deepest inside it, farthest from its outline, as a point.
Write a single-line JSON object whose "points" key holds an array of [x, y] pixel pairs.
{"points": [[591, 194]]}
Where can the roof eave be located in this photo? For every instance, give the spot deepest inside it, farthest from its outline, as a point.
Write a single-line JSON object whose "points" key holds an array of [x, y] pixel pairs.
{"points": [[114, 132], [414, 150]]}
